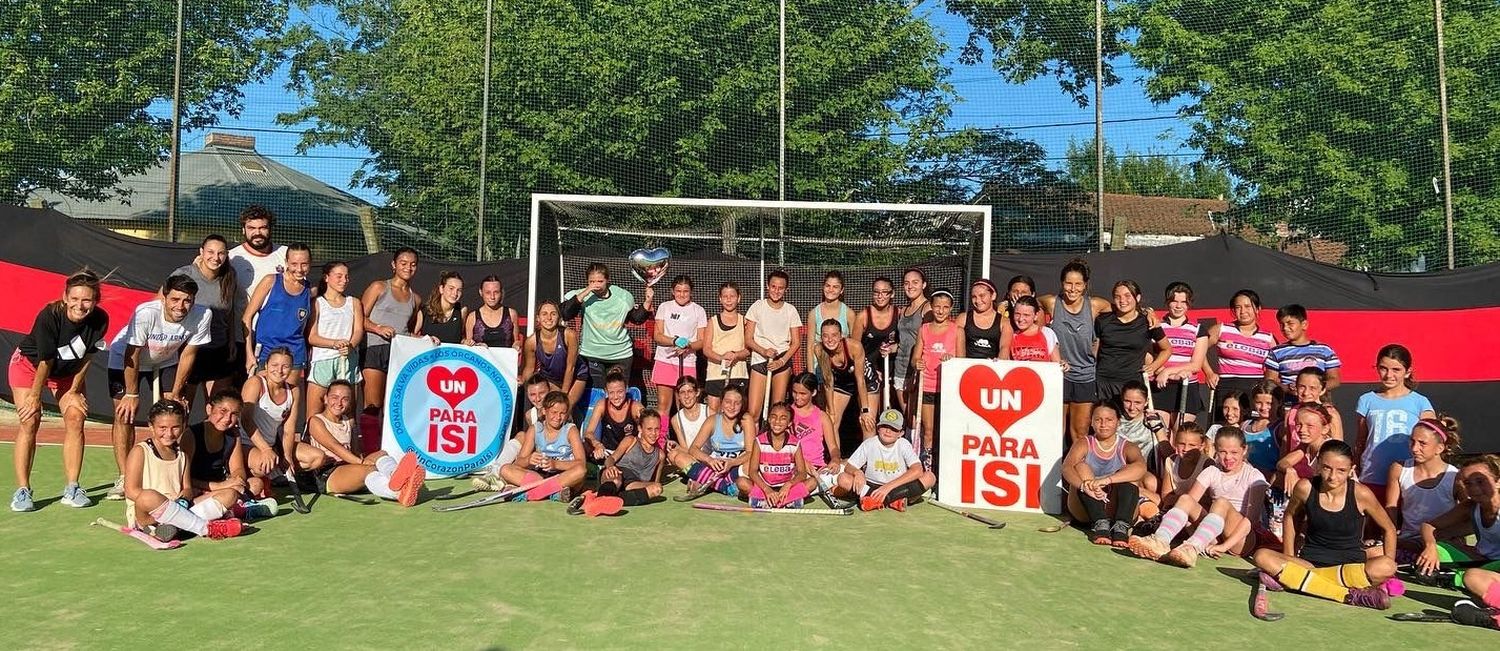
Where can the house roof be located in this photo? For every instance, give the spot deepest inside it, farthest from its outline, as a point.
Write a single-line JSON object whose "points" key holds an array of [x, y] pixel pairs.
{"points": [[218, 181], [1161, 215]]}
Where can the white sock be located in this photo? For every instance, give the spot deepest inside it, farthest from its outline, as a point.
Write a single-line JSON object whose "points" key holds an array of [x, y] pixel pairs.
{"points": [[379, 483], [386, 464], [172, 513], [209, 509], [508, 454]]}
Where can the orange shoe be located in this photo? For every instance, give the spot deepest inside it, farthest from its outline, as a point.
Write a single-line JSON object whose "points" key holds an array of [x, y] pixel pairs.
{"points": [[226, 528], [404, 470], [412, 489], [869, 503], [898, 505], [597, 505]]}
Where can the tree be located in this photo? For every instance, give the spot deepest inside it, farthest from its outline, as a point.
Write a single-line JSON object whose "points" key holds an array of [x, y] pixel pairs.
{"points": [[652, 98], [1328, 111], [1149, 174], [77, 80]]}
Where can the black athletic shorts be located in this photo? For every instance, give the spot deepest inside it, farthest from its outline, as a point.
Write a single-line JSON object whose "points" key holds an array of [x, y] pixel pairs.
{"points": [[929, 397], [142, 383], [761, 369], [716, 388], [1079, 391], [212, 364], [1109, 389], [1322, 557], [376, 358], [1166, 398]]}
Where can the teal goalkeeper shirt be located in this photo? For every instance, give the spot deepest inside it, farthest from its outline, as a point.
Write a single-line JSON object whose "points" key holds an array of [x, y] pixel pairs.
{"points": [[604, 335]]}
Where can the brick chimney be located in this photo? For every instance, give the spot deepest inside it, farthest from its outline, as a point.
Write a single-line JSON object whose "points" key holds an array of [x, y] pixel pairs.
{"points": [[229, 141]]}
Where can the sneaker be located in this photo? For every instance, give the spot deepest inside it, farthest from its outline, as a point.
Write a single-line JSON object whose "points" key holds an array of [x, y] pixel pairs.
{"points": [[411, 488], [869, 503], [898, 505], [1368, 598], [695, 490], [21, 501], [1184, 556], [260, 509], [116, 492], [565, 495], [757, 503], [596, 506], [225, 528], [575, 507], [488, 482], [1270, 582], [404, 471], [1099, 533], [1148, 547], [1148, 526], [1468, 613], [732, 490], [74, 496], [165, 532]]}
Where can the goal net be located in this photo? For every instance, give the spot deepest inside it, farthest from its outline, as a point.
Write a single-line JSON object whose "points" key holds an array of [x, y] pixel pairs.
{"points": [[716, 241]]}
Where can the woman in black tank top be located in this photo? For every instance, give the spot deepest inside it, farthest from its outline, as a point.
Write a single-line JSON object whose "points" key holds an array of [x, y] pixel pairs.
{"points": [[983, 341], [1335, 507], [614, 418], [879, 342], [503, 333], [223, 466], [443, 314]]}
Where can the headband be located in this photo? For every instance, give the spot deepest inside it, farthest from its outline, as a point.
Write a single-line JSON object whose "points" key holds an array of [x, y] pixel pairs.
{"points": [[941, 292], [986, 282], [1436, 426]]}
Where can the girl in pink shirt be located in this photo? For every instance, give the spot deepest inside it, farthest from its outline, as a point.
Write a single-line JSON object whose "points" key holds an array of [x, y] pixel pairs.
{"points": [[1237, 491]]}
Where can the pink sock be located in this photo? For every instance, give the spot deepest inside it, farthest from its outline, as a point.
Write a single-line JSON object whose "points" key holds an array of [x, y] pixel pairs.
{"points": [[756, 493], [1208, 531], [797, 492], [1171, 524], [1492, 596]]}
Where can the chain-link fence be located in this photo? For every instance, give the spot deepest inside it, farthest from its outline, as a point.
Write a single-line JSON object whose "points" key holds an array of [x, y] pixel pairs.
{"points": [[1315, 126]]}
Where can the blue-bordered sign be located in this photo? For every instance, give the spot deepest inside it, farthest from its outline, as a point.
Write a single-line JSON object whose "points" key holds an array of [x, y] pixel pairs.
{"points": [[451, 404]]}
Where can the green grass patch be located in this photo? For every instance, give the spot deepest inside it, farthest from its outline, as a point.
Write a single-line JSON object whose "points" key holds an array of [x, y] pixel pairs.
{"points": [[528, 576]]}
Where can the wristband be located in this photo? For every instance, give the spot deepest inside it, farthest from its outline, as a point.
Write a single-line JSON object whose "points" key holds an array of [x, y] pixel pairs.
{"points": [[131, 395]]}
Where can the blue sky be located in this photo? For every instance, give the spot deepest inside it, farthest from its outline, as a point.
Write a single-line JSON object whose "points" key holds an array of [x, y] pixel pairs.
{"points": [[1037, 111]]}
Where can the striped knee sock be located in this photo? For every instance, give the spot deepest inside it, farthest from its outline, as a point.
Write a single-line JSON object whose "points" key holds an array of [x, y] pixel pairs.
{"points": [[1304, 580], [1349, 575], [1171, 524], [1208, 531]]}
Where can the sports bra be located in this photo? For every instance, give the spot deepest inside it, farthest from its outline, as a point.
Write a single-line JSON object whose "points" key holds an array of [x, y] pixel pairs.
{"points": [[502, 335], [611, 431], [873, 337]]}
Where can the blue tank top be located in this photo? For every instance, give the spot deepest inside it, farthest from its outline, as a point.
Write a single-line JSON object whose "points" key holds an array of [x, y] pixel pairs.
{"points": [[282, 322], [1103, 466], [1260, 450], [721, 445], [558, 448]]}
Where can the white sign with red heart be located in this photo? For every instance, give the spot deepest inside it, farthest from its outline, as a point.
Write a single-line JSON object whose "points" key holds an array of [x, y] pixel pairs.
{"points": [[451, 404]]}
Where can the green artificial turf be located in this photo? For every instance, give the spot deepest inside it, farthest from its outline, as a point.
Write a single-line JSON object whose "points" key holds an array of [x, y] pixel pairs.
{"points": [[528, 576]]}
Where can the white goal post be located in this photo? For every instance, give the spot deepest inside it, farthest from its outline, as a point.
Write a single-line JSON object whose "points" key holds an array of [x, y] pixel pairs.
{"points": [[539, 199]]}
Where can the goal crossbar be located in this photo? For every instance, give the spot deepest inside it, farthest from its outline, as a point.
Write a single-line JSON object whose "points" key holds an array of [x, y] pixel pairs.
{"points": [[537, 199]]}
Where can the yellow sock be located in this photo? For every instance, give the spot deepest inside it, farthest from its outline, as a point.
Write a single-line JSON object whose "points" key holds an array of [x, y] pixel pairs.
{"points": [[1349, 575], [1311, 582]]}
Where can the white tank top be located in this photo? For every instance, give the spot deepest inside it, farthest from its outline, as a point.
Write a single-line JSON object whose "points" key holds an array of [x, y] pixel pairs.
{"points": [[691, 426], [335, 323], [340, 432], [269, 416], [1419, 504], [158, 474]]}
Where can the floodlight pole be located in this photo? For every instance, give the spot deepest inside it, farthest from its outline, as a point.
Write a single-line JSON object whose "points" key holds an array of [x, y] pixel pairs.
{"points": [[484, 131], [176, 162], [780, 140], [1099, 119], [1442, 79]]}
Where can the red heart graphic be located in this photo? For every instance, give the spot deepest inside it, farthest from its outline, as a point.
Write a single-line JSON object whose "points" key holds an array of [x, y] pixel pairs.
{"points": [[986, 393], [453, 386]]}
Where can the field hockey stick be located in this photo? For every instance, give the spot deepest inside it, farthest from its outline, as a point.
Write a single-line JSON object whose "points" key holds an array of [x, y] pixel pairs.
{"points": [[885, 403], [828, 499], [1182, 400], [765, 403], [137, 534], [916, 431], [497, 497], [357, 499], [1150, 389], [1213, 409], [1259, 603], [993, 524], [1424, 615], [298, 504], [740, 508]]}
